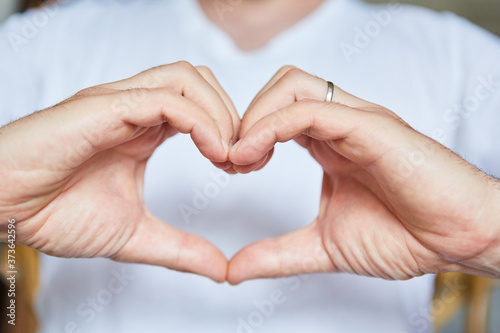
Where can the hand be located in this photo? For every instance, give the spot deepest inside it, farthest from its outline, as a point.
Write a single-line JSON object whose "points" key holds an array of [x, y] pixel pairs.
{"points": [[394, 204], [72, 175]]}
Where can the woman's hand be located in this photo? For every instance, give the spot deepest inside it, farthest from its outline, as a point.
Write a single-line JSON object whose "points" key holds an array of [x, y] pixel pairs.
{"points": [[394, 204], [72, 175]]}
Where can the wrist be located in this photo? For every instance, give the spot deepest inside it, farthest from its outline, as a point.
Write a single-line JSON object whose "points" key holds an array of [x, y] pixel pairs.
{"points": [[489, 260], [481, 256], [494, 251]]}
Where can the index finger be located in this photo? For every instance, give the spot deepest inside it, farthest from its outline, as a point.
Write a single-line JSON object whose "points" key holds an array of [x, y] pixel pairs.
{"points": [[291, 85], [186, 80]]}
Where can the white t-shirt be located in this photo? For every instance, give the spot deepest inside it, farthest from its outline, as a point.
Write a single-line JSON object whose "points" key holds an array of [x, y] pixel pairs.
{"points": [[438, 72]]}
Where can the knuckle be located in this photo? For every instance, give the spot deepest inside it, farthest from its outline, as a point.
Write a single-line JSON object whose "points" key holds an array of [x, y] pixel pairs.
{"points": [[156, 72], [294, 74], [293, 79], [386, 114], [286, 69], [204, 70], [92, 91], [184, 66]]}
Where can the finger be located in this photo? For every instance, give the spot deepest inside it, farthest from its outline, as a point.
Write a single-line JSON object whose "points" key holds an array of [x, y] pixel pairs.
{"points": [[299, 252], [184, 116], [263, 162], [283, 89], [210, 78], [276, 77], [88, 125], [244, 169], [184, 79], [288, 86], [318, 120], [227, 167], [157, 243]]}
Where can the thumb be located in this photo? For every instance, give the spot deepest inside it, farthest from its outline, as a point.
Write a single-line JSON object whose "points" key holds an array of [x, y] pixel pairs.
{"points": [[299, 252], [157, 243]]}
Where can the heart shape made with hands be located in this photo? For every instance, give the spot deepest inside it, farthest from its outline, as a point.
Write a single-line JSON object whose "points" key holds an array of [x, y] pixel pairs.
{"points": [[373, 220]]}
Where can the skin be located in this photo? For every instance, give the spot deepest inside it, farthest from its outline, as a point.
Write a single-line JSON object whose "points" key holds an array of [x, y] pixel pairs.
{"points": [[252, 24], [77, 190], [75, 172], [375, 217]]}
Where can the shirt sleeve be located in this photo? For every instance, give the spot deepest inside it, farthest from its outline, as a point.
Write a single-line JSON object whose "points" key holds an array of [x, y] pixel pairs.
{"points": [[475, 109], [18, 89]]}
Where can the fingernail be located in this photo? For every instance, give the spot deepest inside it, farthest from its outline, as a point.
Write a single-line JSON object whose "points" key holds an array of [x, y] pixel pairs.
{"points": [[225, 146], [235, 146]]}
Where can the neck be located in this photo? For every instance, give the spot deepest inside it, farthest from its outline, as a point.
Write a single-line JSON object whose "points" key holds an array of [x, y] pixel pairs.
{"points": [[253, 23]]}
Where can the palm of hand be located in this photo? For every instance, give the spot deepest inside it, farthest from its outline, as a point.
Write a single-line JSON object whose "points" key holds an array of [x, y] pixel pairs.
{"points": [[106, 197], [364, 228], [355, 231], [85, 197], [359, 232]]}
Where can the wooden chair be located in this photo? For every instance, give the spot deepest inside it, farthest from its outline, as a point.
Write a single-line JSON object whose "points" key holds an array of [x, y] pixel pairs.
{"points": [[456, 291], [26, 286]]}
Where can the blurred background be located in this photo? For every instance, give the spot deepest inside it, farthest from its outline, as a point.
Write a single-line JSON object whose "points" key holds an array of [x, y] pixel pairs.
{"points": [[476, 309], [485, 13]]}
